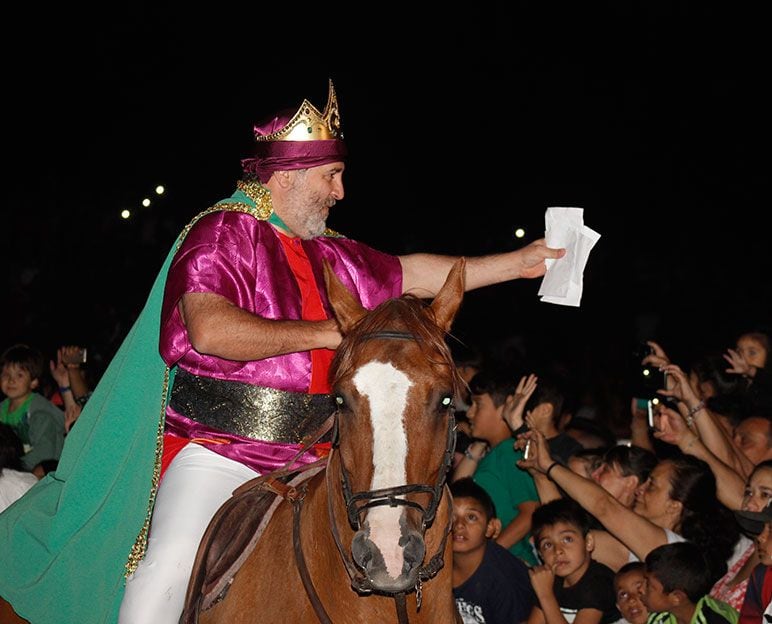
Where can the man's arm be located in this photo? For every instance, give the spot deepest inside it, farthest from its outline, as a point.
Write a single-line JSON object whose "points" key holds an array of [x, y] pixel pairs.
{"points": [[218, 327], [424, 274], [519, 527], [45, 435]]}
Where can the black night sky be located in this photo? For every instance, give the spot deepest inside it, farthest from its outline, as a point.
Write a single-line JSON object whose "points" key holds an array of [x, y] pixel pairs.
{"points": [[461, 125]]}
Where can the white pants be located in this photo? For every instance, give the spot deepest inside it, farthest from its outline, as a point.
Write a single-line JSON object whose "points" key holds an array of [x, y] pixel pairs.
{"points": [[193, 487]]}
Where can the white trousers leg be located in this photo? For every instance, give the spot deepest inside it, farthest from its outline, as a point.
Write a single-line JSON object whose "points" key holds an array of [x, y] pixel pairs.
{"points": [[194, 486]]}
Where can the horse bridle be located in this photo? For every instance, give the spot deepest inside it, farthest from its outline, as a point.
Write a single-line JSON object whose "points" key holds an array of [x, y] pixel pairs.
{"points": [[389, 496], [373, 498]]}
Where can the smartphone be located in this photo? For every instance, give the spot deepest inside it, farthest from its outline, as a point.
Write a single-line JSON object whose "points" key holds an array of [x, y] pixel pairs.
{"points": [[527, 454], [79, 357], [648, 406]]}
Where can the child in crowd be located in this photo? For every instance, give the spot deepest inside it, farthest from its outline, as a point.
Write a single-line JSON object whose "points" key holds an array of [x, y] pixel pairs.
{"points": [[629, 583], [512, 489], [490, 584], [38, 422], [677, 584], [569, 586]]}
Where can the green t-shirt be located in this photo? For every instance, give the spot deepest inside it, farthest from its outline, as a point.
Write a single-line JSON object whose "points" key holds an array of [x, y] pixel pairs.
{"points": [[708, 611], [15, 419], [508, 486]]}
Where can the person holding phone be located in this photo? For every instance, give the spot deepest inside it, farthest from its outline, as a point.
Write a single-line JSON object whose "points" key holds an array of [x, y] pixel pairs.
{"points": [[68, 373], [538, 403]]}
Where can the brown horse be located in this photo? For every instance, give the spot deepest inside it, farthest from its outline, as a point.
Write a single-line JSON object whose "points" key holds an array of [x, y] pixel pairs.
{"points": [[372, 527]]}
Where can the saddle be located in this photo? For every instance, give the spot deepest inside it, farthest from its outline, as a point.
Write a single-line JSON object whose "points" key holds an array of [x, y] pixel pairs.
{"points": [[233, 533], [235, 529]]}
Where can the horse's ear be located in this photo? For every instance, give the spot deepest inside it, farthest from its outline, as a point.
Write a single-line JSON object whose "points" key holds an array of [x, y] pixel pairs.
{"points": [[346, 307], [448, 300]]}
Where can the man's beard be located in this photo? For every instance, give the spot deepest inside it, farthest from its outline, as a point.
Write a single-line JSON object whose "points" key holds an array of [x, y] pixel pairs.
{"points": [[306, 211]]}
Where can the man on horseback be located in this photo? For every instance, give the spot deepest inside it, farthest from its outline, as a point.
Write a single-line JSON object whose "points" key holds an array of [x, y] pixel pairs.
{"points": [[246, 339]]}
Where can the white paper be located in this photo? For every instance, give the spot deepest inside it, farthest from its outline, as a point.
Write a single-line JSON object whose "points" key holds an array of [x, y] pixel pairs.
{"points": [[564, 227]]}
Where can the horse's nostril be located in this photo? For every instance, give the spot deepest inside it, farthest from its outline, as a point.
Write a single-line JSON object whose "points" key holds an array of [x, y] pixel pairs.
{"points": [[414, 551], [361, 550]]}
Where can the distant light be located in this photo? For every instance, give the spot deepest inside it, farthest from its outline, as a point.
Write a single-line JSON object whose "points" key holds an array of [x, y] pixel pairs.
{"points": [[146, 202], [519, 233], [159, 190], [125, 214]]}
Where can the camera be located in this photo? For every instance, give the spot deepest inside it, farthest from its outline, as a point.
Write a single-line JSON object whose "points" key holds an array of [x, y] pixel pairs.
{"points": [[647, 379], [79, 357], [650, 379]]}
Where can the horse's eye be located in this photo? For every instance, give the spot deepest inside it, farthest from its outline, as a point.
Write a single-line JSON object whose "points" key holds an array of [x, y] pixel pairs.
{"points": [[447, 401]]}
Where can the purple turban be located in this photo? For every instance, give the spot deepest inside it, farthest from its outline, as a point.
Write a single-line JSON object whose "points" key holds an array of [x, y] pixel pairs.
{"points": [[282, 155]]}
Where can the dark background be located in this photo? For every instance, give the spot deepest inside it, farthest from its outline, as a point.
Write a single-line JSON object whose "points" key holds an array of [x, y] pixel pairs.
{"points": [[461, 124]]}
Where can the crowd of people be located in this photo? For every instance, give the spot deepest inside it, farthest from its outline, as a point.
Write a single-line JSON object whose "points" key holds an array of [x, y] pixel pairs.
{"points": [[672, 520], [556, 517]]}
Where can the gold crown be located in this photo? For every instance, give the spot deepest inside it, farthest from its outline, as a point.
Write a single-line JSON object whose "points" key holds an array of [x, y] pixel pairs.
{"points": [[308, 124]]}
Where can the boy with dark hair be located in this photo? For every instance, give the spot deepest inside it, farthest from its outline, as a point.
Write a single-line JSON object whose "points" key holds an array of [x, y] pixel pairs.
{"points": [[569, 586], [629, 583], [38, 422], [490, 584], [512, 489], [678, 580]]}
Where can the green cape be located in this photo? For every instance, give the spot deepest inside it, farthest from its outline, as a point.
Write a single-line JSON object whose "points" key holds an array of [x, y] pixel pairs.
{"points": [[64, 546], [67, 544]]}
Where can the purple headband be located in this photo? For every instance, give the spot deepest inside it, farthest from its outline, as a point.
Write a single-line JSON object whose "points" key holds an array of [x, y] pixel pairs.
{"points": [[288, 155], [282, 155]]}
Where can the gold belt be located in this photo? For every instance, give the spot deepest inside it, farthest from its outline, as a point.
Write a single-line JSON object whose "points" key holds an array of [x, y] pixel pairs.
{"points": [[249, 411]]}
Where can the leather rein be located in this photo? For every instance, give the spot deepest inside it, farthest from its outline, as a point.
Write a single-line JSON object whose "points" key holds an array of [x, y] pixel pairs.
{"points": [[358, 502]]}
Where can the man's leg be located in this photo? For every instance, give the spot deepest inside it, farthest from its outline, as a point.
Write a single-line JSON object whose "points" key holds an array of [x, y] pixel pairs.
{"points": [[196, 484]]}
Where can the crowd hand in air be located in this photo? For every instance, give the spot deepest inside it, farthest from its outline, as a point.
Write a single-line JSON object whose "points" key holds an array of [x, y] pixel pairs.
{"points": [[657, 358], [738, 364], [679, 386], [670, 427], [539, 459], [59, 370], [514, 405]]}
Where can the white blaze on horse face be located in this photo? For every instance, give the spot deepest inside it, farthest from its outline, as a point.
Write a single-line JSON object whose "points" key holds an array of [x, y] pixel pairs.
{"points": [[386, 388]]}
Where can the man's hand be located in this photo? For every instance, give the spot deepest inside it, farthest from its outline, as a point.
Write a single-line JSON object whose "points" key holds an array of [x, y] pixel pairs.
{"points": [[533, 255]]}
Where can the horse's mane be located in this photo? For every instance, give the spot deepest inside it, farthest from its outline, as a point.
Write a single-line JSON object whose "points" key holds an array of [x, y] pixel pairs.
{"points": [[406, 313]]}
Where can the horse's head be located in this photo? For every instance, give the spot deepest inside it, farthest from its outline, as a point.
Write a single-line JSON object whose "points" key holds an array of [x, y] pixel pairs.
{"points": [[394, 380]]}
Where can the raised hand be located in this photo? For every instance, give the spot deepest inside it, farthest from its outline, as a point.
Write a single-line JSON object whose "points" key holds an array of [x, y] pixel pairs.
{"points": [[657, 358], [679, 386], [670, 427], [540, 458], [514, 405], [738, 364], [59, 370]]}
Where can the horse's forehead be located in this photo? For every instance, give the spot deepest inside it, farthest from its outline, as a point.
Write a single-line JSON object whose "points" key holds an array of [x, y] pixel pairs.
{"points": [[377, 376], [394, 367]]}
